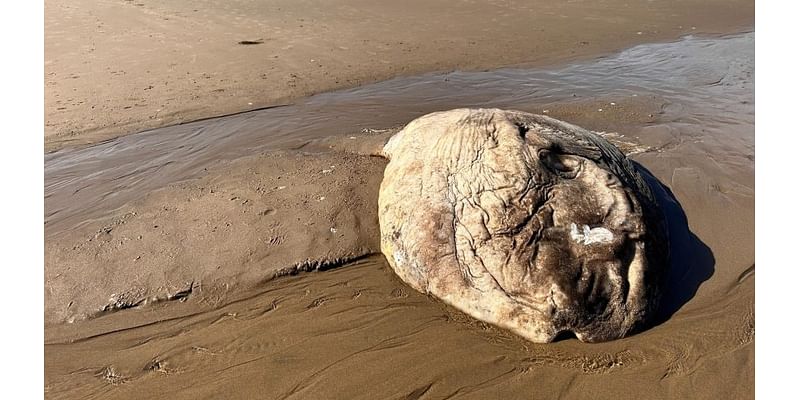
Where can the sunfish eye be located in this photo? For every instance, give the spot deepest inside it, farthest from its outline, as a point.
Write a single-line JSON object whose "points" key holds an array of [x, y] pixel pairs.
{"points": [[563, 165]]}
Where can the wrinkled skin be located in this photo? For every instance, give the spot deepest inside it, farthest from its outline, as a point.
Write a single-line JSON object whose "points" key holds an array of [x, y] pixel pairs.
{"points": [[524, 222]]}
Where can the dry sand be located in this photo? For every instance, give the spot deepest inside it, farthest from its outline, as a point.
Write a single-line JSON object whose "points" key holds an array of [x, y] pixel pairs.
{"points": [[199, 289]]}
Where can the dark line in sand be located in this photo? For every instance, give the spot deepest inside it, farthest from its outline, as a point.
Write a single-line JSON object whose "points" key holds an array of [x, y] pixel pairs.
{"points": [[306, 266], [111, 332]]}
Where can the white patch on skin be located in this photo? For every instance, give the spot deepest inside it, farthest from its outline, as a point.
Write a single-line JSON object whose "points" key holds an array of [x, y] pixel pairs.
{"points": [[399, 257], [590, 235]]}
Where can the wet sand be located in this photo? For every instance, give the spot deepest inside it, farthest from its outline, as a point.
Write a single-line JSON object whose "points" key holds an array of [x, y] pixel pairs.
{"points": [[358, 332], [114, 67], [247, 266], [241, 313]]}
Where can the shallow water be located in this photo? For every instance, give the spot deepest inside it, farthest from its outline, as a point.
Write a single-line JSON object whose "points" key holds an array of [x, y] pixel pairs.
{"points": [[705, 84]]}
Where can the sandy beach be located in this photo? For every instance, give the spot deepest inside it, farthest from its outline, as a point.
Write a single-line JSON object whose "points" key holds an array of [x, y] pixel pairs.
{"points": [[240, 257], [115, 67]]}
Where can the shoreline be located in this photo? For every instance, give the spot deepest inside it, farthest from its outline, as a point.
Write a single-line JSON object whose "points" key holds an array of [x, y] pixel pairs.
{"points": [[128, 93], [293, 101]]}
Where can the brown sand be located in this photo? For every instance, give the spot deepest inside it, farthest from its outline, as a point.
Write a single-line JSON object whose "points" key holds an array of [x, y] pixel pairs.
{"points": [[360, 333], [114, 67], [233, 228], [188, 291]]}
